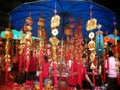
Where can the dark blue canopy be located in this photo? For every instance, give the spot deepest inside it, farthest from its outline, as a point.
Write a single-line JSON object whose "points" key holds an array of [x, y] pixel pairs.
{"points": [[66, 9]]}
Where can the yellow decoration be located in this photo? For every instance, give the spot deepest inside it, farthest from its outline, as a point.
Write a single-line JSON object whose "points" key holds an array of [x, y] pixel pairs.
{"points": [[92, 66], [92, 56], [91, 24], [91, 45], [8, 34], [55, 21], [68, 31], [54, 41], [41, 22]]}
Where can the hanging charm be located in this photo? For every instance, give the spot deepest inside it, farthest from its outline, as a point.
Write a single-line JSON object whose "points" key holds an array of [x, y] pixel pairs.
{"points": [[8, 36], [91, 44], [91, 24]]}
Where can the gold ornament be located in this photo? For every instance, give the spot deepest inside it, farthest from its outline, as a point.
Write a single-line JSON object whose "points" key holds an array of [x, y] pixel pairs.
{"points": [[54, 41], [91, 35], [92, 66], [55, 32], [92, 56], [68, 31], [55, 21], [41, 22], [91, 45], [91, 24], [8, 34], [29, 21]]}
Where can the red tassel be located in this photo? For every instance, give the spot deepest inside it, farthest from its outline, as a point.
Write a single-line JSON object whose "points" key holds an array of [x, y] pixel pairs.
{"points": [[55, 75], [118, 79], [80, 74], [104, 74], [6, 73], [20, 62], [41, 80], [41, 56], [107, 63], [27, 66], [93, 77]]}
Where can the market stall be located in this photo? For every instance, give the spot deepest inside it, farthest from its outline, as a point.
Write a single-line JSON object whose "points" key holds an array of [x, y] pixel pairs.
{"points": [[68, 34]]}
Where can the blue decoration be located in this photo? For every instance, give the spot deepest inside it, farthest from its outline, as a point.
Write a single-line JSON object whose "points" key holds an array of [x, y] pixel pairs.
{"points": [[99, 44]]}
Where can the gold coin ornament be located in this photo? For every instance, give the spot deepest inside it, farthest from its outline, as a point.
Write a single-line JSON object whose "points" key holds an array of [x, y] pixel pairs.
{"points": [[91, 35], [91, 24], [55, 32]]}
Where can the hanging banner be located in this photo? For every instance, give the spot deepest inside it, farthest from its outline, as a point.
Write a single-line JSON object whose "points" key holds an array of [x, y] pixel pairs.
{"points": [[99, 44]]}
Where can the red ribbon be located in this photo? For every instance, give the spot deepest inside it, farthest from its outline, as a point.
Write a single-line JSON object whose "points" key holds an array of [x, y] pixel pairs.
{"points": [[118, 79], [6, 73], [55, 75], [107, 63], [41, 56], [41, 80], [27, 66], [104, 74], [93, 77], [20, 62], [80, 74]]}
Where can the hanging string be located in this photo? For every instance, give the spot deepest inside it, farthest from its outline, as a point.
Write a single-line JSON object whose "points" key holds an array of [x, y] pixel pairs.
{"points": [[55, 10], [9, 24], [114, 22], [91, 10], [30, 13], [115, 30], [41, 14]]}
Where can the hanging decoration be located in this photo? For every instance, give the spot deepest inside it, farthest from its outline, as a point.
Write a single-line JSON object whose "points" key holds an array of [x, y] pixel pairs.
{"points": [[106, 56], [116, 53], [8, 36], [42, 36], [91, 25], [78, 53], [55, 22], [41, 48], [99, 48], [68, 30], [21, 52], [28, 41], [99, 42], [41, 28]]}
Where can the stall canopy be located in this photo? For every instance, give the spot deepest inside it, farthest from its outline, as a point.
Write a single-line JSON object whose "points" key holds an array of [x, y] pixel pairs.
{"points": [[79, 10]]}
